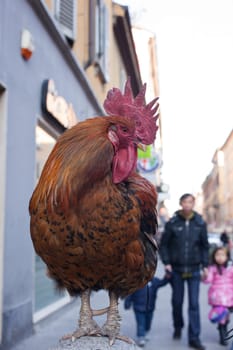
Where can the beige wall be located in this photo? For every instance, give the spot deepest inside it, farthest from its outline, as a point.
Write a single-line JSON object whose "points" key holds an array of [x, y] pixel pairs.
{"points": [[80, 47], [218, 189], [116, 72], [116, 69], [210, 203], [50, 4]]}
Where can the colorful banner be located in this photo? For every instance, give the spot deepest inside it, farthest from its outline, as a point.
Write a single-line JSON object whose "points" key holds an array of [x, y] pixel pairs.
{"points": [[148, 161]]}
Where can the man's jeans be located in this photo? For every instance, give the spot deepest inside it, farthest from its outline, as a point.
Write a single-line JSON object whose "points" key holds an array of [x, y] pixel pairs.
{"points": [[143, 320], [193, 303]]}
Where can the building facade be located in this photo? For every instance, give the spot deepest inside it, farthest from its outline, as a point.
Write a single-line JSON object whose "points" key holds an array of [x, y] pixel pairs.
{"points": [[58, 59], [227, 150], [150, 164], [218, 189]]}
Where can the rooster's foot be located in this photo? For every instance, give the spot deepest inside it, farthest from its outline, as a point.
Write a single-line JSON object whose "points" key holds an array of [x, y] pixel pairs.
{"points": [[113, 335], [111, 330], [120, 337], [91, 328], [125, 339], [87, 326]]}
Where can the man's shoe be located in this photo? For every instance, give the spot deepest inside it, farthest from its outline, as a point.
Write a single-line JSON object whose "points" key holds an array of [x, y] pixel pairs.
{"points": [[177, 333], [196, 344]]}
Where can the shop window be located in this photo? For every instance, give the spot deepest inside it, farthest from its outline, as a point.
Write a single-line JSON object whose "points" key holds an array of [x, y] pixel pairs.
{"points": [[99, 37], [46, 295], [66, 14]]}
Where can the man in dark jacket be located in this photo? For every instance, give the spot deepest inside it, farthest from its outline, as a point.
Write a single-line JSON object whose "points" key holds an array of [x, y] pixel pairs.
{"points": [[184, 251]]}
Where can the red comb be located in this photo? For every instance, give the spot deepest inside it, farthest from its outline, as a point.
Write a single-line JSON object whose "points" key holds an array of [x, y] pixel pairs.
{"points": [[126, 105]]}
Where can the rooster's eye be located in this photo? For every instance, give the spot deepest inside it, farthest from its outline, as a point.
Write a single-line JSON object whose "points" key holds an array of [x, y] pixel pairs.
{"points": [[124, 129]]}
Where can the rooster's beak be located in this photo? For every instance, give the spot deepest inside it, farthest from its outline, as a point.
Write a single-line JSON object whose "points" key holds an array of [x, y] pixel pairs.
{"points": [[142, 146]]}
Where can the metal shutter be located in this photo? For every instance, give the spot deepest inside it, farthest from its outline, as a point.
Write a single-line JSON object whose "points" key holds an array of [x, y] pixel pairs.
{"points": [[65, 13]]}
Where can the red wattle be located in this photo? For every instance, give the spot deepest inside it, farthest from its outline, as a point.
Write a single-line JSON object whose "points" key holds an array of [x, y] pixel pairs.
{"points": [[124, 162]]}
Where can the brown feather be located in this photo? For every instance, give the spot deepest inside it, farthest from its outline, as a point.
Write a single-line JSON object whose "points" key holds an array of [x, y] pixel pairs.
{"points": [[88, 230]]}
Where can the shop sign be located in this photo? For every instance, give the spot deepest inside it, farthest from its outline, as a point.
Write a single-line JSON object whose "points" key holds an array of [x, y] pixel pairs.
{"points": [[56, 106], [149, 160]]}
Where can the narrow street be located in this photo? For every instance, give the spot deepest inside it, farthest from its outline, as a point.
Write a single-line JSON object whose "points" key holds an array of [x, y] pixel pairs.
{"points": [[161, 333], [64, 321]]}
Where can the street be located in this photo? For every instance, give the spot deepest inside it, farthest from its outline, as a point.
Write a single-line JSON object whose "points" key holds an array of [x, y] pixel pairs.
{"points": [[64, 321], [161, 333]]}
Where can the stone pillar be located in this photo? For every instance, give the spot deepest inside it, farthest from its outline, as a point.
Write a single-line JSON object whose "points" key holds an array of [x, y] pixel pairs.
{"points": [[90, 343]]}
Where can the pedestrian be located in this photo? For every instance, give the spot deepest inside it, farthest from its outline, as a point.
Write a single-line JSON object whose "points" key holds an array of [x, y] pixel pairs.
{"points": [[224, 238], [184, 251], [220, 293], [143, 301]]}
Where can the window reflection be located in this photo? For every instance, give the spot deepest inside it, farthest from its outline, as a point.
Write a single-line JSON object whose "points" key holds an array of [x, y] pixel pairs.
{"points": [[45, 293]]}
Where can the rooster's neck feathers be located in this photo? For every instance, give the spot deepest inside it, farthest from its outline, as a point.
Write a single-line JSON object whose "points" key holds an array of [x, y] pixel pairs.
{"points": [[82, 156]]}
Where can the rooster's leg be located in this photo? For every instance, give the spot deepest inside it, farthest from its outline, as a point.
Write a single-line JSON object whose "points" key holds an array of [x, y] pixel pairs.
{"points": [[87, 326], [111, 328]]}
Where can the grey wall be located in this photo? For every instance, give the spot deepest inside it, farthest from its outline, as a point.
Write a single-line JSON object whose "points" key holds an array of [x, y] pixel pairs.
{"points": [[23, 81]]}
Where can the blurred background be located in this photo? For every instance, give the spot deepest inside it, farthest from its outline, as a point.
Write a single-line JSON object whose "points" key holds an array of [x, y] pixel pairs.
{"points": [[58, 59]]}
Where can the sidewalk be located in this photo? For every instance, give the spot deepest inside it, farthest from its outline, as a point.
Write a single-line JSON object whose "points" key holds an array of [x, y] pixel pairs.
{"points": [[48, 332]]}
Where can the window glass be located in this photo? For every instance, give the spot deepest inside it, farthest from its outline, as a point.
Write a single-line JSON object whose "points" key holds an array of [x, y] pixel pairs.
{"points": [[45, 292]]}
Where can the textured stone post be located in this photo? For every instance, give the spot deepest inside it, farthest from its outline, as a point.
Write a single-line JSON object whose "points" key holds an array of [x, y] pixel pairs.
{"points": [[93, 343]]}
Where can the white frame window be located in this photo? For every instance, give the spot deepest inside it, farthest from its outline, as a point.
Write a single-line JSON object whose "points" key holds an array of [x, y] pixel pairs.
{"points": [[99, 37]]}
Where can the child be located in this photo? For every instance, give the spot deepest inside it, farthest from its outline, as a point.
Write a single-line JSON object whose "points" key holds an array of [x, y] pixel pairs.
{"points": [[220, 294], [143, 301]]}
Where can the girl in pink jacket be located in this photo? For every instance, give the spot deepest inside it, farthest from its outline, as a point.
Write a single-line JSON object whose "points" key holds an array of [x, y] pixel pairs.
{"points": [[220, 293]]}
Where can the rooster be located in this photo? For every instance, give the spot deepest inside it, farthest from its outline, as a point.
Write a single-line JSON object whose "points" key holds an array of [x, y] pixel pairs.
{"points": [[93, 218]]}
